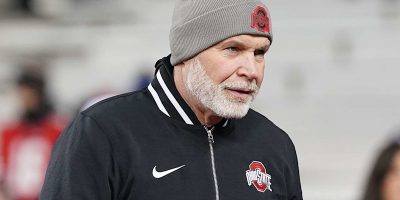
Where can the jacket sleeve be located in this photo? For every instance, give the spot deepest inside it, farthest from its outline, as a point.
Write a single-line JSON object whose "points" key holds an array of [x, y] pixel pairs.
{"points": [[293, 177], [79, 164]]}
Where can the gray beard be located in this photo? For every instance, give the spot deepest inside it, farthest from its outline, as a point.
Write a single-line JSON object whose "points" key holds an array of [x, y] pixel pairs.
{"points": [[213, 96]]}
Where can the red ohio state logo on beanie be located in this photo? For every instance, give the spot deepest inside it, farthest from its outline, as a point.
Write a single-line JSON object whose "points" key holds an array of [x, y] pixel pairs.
{"points": [[260, 20], [258, 177]]}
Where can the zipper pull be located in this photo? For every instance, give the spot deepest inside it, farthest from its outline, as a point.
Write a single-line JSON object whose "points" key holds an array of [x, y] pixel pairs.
{"points": [[210, 134]]}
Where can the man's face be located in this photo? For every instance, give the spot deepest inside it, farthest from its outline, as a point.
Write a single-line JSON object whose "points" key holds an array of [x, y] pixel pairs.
{"points": [[29, 97], [391, 183], [226, 77]]}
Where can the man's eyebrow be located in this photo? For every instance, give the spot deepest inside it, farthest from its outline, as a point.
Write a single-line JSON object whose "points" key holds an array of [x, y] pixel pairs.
{"points": [[233, 43]]}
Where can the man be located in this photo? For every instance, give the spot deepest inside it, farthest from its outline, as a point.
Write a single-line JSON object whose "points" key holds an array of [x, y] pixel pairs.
{"points": [[190, 134], [26, 144]]}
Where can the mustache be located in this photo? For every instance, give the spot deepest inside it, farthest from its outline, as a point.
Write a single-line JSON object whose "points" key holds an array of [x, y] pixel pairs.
{"points": [[249, 86]]}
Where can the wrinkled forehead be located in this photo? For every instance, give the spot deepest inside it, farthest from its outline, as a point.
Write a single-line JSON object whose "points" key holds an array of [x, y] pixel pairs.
{"points": [[249, 41]]}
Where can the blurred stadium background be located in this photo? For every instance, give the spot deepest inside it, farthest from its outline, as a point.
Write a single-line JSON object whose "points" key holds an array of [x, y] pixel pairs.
{"points": [[332, 79]]}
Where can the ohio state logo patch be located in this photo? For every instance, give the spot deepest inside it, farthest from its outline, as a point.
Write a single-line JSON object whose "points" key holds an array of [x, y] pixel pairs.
{"points": [[260, 19], [258, 177]]}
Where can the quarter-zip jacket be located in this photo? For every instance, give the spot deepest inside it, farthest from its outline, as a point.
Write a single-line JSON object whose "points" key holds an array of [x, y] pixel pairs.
{"points": [[149, 145]]}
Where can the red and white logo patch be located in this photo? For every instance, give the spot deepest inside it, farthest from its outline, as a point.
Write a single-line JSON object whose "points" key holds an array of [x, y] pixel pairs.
{"points": [[258, 177], [260, 20]]}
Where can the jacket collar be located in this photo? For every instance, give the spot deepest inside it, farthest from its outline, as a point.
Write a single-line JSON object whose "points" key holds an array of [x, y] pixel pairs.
{"points": [[167, 97]]}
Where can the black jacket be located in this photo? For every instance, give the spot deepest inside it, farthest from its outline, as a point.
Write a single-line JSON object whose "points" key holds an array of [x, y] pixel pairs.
{"points": [[149, 145]]}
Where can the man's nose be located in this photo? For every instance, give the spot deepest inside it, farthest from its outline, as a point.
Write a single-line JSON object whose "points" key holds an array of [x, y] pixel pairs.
{"points": [[248, 67]]}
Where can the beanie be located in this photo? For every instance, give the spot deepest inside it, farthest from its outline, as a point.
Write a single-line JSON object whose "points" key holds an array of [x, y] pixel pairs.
{"points": [[200, 24]]}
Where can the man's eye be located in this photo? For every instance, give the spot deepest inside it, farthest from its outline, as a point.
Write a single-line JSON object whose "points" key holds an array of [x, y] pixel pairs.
{"points": [[259, 53], [232, 49]]}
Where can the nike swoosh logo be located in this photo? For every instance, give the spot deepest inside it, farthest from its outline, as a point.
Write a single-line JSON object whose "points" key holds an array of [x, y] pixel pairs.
{"points": [[157, 174]]}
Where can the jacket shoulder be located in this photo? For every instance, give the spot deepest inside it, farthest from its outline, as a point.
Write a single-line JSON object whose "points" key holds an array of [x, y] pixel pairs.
{"points": [[259, 121], [120, 105]]}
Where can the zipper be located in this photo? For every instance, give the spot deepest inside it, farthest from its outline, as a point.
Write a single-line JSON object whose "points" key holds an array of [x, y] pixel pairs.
{"points": [[210, 144]]}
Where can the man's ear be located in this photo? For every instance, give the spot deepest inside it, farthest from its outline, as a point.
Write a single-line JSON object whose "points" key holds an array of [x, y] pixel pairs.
{"points": [[186, 62], [180, 65]]}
